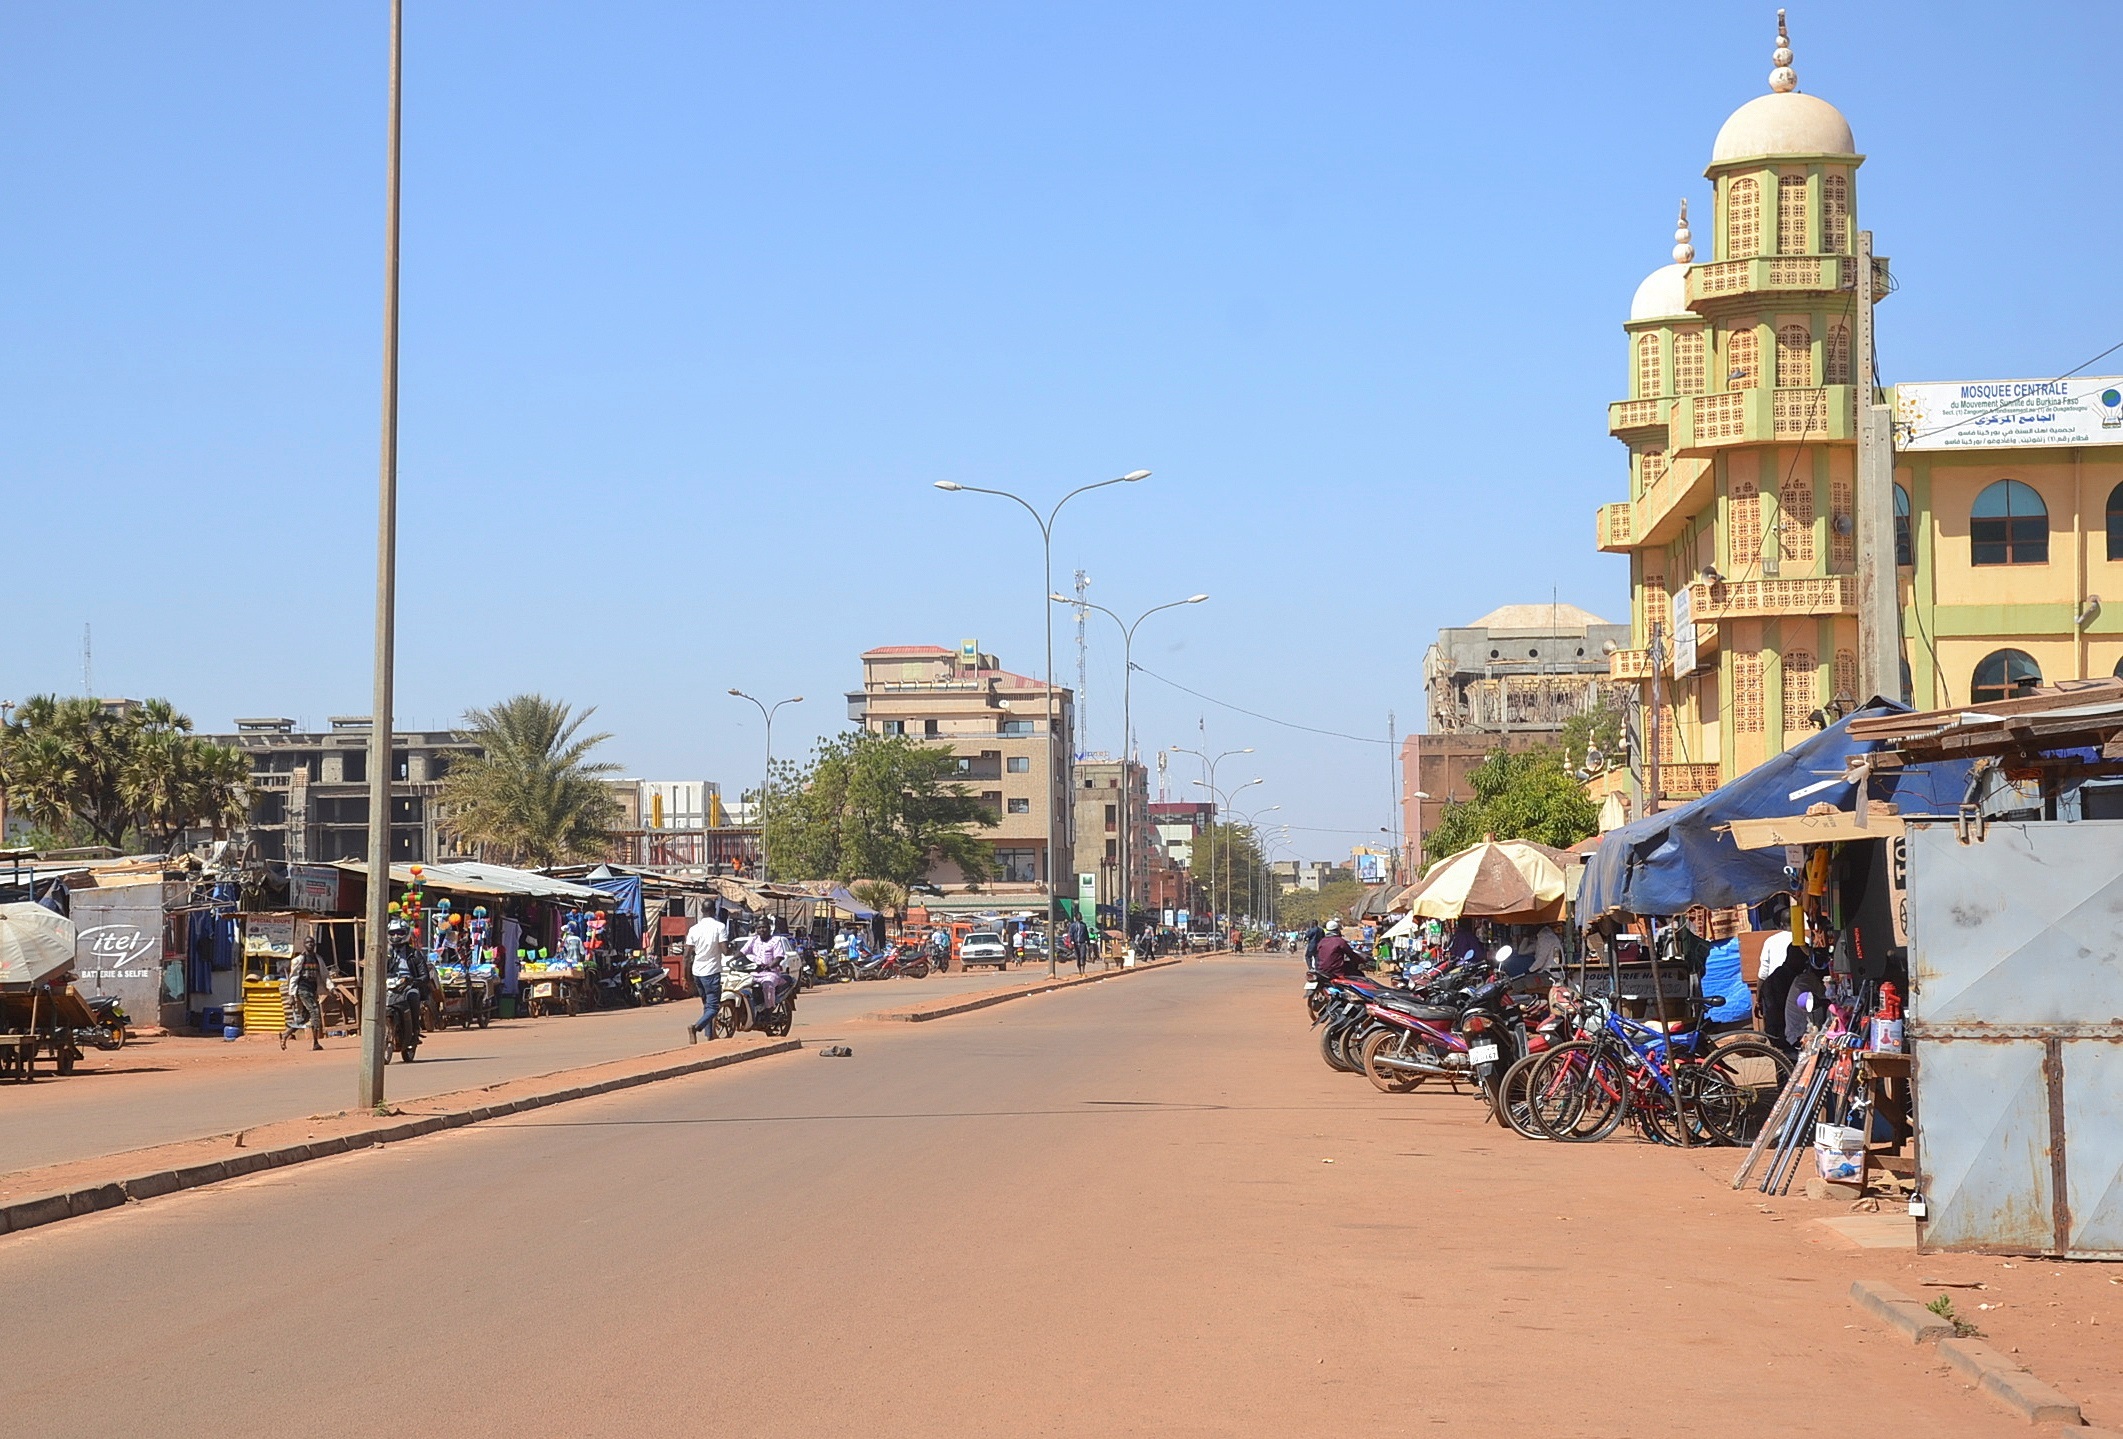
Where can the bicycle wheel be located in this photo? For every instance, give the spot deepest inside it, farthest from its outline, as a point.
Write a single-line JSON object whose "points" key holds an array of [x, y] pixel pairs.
{"points": [[1742, 1079], [1514, 1100], [1695, 1094], [1578, 1094]]}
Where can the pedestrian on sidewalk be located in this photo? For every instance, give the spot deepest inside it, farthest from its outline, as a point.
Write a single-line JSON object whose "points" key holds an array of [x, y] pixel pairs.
{"points": [[304, 995], [708, 941]]}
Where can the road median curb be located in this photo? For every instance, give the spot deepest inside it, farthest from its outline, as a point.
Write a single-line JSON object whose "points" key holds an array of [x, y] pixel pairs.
{"points": [[93, 1198], [2001, 1378], [967, 1006]]}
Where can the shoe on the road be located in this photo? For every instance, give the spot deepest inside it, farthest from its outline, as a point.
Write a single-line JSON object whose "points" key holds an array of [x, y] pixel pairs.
{"points": [[692, 1034], [283, 1041]]}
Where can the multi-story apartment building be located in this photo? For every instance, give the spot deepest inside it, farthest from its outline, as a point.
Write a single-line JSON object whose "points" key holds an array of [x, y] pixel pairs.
{"points": [[310, 790], [1098, 830], [1742, 436], [995, 723]]}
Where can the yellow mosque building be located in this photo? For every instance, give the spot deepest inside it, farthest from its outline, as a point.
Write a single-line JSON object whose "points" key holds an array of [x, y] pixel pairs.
{"points": [[1741, 426]]}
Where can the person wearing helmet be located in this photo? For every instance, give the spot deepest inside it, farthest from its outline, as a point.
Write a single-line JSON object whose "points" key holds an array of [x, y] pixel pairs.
{"points": [[1337, 958]]}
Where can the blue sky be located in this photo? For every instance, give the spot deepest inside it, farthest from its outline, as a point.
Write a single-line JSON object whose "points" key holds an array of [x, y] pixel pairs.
{"points": [[700, 299]]}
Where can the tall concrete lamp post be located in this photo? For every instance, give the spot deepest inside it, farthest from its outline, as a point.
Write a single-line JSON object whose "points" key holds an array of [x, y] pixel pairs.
{"points": [[1046, 615], [377, 962], [1127, 722], [1211, 765], [1252, 909], [766, 783]]}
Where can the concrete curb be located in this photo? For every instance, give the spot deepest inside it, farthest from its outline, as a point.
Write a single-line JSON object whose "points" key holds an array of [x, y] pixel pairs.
{"points": [[1899, 1312], [2012, 1386], [922, 1016], [1995, 1374], [51, 1208]]}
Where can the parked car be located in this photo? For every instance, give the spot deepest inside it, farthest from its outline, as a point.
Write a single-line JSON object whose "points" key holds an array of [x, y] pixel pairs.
{"points": [[983, 946]]}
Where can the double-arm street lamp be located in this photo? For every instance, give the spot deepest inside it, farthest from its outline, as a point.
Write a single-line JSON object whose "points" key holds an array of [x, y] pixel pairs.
{"points": [[1046, 615], [1211, 765], [766, 782], [1260, 858], [1127, 722], [1222, 800]]}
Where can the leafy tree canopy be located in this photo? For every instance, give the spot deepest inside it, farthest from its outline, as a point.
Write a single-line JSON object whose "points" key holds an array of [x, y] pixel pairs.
{"points": [[868, 806], [1303, 908], [121, 774], [534, 797], [1529, 795]]}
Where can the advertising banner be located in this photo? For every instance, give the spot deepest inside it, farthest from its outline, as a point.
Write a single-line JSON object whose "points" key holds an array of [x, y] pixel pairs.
{"points": [[1992, 414]]}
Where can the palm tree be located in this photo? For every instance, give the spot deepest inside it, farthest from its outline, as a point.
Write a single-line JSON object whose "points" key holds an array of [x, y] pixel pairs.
{"points": [[119, 773], [532, 797]]}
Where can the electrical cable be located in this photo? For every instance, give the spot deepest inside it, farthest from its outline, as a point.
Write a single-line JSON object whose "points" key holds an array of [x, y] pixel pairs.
{"points": [[1256, 714]]}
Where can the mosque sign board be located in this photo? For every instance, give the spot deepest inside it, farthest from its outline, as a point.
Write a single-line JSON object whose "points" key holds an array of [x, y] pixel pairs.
{"points": [[1684, 637], [1995, 414]]}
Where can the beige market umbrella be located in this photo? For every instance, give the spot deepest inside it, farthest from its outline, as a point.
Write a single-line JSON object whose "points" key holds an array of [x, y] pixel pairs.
{"points": [[34, 943], [1508, 879]]}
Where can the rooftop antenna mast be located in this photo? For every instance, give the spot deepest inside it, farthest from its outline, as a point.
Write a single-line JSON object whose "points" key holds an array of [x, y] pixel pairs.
{"points": [[88, 672], [1083, 720]]}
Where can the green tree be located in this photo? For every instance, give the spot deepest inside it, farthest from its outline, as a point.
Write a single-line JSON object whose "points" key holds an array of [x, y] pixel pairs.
{"points": [[1230, 869], [533, 797], [1303, 908], [1596, 739], [118, 774], [1528, 795], [868, 806]]}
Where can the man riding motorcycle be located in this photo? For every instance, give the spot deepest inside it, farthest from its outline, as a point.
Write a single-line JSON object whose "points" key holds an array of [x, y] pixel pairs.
{"points": [[1337, 957], [407, 978]]}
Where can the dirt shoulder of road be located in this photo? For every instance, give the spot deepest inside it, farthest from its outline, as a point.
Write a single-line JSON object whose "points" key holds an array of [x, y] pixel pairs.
{"points": [[966, 1004], [33, 1197]]}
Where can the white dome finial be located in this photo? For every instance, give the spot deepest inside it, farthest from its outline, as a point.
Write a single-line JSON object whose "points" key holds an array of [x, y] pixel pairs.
{"points": [[1783, 79], [1683, 242]]}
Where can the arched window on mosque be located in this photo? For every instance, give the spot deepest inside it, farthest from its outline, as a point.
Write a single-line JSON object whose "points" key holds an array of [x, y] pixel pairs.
{"points": [[1649, 382], [1743, 359], [2004, 675], [2008, 525], [1791, 214], [1842, 528], [1799, 686], [1837, 360], [1905, 548], [1743, 219], [1846, 679], [1746, 527], [1795, 525], [1835, 214], [1747, 693], [2115, 523], [1688, 363], [1794, 357]]}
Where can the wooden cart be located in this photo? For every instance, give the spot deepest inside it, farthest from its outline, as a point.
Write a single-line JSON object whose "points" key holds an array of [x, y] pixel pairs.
{"points": [[555, 991], [43, 1021], [468, 1001]]}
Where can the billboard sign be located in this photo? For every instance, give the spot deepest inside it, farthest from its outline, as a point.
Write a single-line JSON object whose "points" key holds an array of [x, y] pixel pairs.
{"points": [[1684, 659], [1994, 414], [313, 888]]}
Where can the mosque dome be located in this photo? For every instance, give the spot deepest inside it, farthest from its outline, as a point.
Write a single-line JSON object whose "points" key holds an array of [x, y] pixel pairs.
{"points": [[1783, 122], [1663, 294]]}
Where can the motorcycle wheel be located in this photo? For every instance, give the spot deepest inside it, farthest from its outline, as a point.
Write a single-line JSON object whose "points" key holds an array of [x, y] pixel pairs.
{"points": [[412, 1047], [919, 969], [724, 1025], [117, 1035], [1331, 1049], [1384, 1044], [1514, 1107]]}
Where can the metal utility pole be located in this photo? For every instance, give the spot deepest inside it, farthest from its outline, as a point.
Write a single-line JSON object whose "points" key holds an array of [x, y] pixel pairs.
{"points": [[1879, 605], [766, 783], [1658, 722], [376, 963], [1393, 776], [1082, 726]]}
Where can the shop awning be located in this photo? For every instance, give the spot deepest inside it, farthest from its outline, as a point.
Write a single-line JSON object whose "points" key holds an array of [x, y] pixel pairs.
{"points": [[497, 880], [1667, 862]]}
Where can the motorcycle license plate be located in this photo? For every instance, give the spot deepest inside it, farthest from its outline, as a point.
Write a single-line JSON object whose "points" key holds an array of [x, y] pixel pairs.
{"points": [[1310, 985], [1481, 1054]]}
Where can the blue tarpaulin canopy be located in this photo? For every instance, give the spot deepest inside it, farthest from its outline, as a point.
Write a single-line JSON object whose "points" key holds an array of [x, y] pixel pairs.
{"points": [[1666, 862], [626, 889]]}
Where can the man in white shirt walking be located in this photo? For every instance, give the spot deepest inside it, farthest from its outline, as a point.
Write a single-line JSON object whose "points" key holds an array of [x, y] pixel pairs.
{"points": [[708, 941]]}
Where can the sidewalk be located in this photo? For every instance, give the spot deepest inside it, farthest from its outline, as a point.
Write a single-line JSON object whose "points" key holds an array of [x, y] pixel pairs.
{"points": [[165, 1090]]}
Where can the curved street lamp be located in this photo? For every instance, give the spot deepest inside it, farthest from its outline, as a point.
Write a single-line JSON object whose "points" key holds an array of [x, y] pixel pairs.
{"points": [[766, 782], [1046, 615], [1127, 722], [1211, 764]]}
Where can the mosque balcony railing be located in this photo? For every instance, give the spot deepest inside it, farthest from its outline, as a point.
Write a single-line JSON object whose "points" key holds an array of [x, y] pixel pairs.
{"points": [[1688, 779], [1767, 598], [1629, 666], [1614, 527], [1771, 275], [1682, 488], [1629, 418], [1764, 416]]}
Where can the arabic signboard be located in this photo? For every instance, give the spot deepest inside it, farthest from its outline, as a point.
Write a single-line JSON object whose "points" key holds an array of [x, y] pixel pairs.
{"points": [[1683, 633], [1992, 414]]}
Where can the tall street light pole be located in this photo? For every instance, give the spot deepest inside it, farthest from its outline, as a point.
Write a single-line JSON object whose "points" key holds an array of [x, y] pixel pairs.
{"points": [[1225, 799], [1259, 857], [1210, 765], [376, 963], [1127, 723], [766, 782], [1046, 616]]}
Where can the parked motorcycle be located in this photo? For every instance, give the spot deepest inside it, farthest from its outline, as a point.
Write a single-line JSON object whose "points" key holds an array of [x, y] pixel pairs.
{"points": [[903, 962], [754, 999], [112, 1022]]}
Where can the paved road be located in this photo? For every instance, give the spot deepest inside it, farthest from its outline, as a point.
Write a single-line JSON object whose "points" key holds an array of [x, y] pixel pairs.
{"points": [[139, 1096], [1136, 1208]]}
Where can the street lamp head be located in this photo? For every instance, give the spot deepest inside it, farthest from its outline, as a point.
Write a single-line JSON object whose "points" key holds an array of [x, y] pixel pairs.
{"points": [[1248, 750], [1194, 599], [1133, 475], [949, 485], [1063, 599], [794, 700], [738, 692]]}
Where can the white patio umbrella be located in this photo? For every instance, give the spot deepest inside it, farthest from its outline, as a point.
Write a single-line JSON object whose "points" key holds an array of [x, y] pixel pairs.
{"points": [[35, 943]]}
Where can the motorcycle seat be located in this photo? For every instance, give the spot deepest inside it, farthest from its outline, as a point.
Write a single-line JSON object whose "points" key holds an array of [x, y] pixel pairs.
{"points": [[1414, 1008]]}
